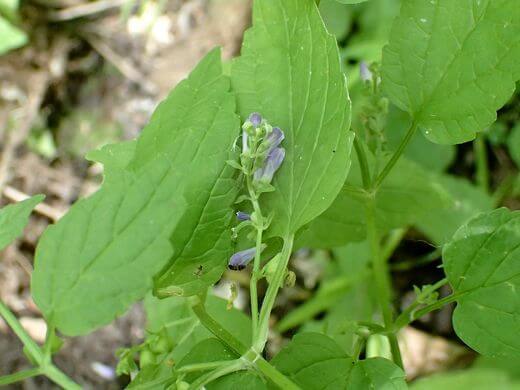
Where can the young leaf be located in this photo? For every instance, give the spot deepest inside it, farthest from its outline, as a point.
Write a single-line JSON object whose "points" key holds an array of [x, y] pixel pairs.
{"points": [[290, 72], [453, 64], [102, 255], [407, 192], [315, 361], [12, 37], [468, 200], [14, 217], [482, 263]]}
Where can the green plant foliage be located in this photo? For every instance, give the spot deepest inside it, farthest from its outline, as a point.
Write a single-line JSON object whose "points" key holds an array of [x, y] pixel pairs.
{"points": [[351, 1], [464, 65], [12, 37], [141, 216], [315, 361], [289, 71], [482, 265], [472, 379], [337, 17], [408, 191], [14, 217], [439, 225]]}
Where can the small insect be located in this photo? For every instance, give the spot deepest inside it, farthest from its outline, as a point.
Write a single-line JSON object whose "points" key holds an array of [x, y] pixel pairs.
{"points": [[198, 271]]}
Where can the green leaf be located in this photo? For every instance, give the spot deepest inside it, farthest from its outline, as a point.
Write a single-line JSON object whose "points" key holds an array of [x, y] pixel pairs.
{"points": [[432, 157], [513, 144], [483, 267], [467, 201], [471, 379], [101, 257], [351, 1], [290, 72], [337, 18], [315, 361], [453, 64], [407, 192], [12, 37], [14, 218]]}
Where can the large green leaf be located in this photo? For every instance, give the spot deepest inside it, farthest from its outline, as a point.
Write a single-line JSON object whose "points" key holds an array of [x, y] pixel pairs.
{"points": [[471, 379], [468, 201], [102, 255], [14, 217], [290, 72], [337, 18], [315, 361], [408, 191], [482, 263], [452, 64]]}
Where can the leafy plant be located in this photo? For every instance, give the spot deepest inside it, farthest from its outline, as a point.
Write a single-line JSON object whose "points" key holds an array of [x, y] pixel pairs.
{"points": [[272, 142]]}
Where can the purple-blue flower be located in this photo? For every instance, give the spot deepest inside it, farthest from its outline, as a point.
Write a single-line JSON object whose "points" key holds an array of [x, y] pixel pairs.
{"points": [[364, 71], [272, 163], [256, 119], [274, 138], [241, 216], [241, 259]]}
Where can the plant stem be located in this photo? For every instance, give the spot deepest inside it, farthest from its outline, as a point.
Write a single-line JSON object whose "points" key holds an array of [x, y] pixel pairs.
{"points": [[227, 368], [19, 376], [363, 163], [395, 157], [481, 160], [408, 314], [45, 366], [202, 366], [382, 279], [272, 291], [394, 239], [227, 338], [253, 283]]}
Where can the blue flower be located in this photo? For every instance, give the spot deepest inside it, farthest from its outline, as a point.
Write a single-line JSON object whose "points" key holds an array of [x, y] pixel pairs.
{"points": [[272, 163], [256, 119], [241, 259], [275, 138], [241, 216]]}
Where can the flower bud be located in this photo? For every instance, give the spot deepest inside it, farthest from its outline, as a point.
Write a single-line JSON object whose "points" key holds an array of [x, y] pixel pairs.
{"points": [[256, 119], [241, 259]]}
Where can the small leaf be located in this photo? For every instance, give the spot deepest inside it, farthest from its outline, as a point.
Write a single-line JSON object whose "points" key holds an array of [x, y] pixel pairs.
{"points": [[290, 72], [482, 263], [453, 64], [14, 217], [315, 361]]}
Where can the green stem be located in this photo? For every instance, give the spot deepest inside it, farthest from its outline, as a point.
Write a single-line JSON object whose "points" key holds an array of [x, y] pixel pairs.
{"points": [[395, 157], [228, 368], [19, 376], [231, 341], [422, 312], [363, 162], [481, 159], [202, 366], [407, 316], [382, 279], [272, 291], [253, 283], [46, 367], [394, 239], [30, 345], [423, 260]]}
